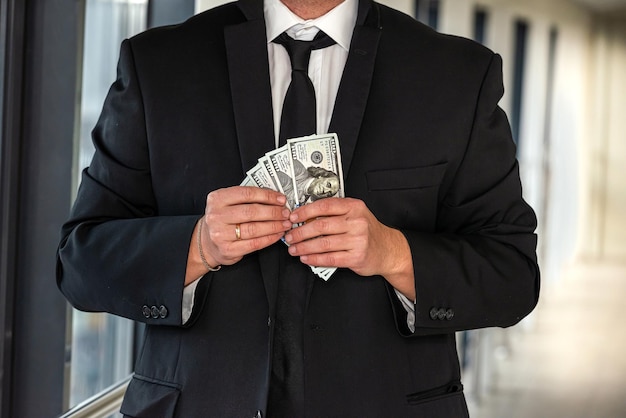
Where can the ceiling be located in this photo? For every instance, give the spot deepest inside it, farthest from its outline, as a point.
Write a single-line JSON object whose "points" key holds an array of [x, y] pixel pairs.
{"points": [[604, 6]]}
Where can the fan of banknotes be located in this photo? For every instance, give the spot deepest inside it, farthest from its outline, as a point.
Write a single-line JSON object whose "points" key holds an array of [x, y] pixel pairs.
{"points": [[304, 170]]}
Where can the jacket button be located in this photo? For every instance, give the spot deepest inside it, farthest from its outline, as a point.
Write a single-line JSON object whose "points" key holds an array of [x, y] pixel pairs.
{"points": [[154, 312], [449, 314], [145, 310], [441, 314], [258, 414], [434, 313], [163, 311], [269, 321]]}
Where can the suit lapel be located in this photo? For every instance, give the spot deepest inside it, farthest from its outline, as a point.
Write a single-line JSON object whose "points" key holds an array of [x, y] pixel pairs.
{"points": [[248, 68], [246, 50], [356, 80]]}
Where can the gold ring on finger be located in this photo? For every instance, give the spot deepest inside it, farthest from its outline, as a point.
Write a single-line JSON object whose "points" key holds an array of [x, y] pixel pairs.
{"points": [[238, 231]]}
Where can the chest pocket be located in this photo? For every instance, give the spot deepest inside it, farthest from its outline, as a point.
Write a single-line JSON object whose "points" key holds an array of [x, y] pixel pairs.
{"points": [[406, 197]]}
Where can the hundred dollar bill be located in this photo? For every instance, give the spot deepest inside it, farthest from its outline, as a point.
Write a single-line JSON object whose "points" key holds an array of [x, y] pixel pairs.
{"points": [[281, 163], [317, 173], [323, 272], [261, 177], [265, 161], [316, 169], [248, 181]]}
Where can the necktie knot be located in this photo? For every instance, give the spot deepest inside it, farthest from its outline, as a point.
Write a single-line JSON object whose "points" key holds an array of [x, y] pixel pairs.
{"points": [[300, 51]]}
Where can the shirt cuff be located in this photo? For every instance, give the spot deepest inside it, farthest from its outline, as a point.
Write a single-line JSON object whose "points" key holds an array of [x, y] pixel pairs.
{"points": [[189, 294], [409, 307]]}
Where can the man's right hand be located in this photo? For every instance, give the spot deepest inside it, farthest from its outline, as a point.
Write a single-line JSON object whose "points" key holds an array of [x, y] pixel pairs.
{"points": [[259, 215]]}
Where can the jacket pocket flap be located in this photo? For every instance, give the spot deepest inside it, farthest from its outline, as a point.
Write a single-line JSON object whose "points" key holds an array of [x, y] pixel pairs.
{"points": [[451, 388], [148, 398], [405, 178]]}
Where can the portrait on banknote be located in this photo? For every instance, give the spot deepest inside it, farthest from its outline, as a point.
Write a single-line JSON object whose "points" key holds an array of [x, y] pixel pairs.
{"points": [[316, 171]]}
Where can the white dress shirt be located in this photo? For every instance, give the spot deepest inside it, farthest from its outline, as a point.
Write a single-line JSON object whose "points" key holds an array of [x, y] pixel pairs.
{"points": [[325, 66], [325, 70]]}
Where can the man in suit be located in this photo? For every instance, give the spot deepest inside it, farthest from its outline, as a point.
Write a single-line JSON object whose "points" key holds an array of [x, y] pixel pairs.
{"points": [[433, 236]]}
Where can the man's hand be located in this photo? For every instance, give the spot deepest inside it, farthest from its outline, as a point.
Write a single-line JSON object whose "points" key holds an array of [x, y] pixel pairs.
{"points": [[345, 233], [237, 221]]}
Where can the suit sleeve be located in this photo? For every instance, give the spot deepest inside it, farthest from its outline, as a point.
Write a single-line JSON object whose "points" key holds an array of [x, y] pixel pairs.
{"points": [[479, 269], [117, 253]]}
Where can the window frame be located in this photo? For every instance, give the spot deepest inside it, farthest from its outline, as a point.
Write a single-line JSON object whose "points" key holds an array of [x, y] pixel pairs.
{"points": [[40, 44]]}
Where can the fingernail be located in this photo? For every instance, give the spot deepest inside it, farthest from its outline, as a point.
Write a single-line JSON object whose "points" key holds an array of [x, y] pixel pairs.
{"points": [[292, 249], [304, 258], [281, 199], [286, 213], [287, 224], [288, 237], [293, 217]]}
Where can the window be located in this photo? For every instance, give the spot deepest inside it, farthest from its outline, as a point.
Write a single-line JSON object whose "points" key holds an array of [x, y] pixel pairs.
{"points": [[519, 63], [551, 68], [427, 11], [481, 19], [102, 344]]}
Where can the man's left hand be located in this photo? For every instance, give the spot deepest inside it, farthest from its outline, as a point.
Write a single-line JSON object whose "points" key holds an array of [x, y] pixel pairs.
{"points": [[345, 233]]}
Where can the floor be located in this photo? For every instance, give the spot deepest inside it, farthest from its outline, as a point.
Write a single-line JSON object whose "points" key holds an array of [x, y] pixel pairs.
{"points": [[569, 360]]}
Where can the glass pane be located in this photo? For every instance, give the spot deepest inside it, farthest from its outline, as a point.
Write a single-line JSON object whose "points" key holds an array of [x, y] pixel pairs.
{"points": [[427, 12], [102, 344], [481, 18], [519, 66]]}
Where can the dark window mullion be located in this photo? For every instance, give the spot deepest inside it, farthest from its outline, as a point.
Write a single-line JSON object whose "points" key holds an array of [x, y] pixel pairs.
{"points": [[519, 64]]}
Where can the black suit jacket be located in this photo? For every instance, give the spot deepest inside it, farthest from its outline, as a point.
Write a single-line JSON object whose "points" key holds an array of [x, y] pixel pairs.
{"points": [[424, 145]]}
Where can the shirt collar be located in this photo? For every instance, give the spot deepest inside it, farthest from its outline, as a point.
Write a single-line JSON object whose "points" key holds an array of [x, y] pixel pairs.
{"points": [[338, 23]]}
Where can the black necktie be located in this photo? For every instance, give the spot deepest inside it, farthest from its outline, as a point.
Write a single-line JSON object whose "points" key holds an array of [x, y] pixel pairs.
{"points": [[298, 116], [286, 394]]}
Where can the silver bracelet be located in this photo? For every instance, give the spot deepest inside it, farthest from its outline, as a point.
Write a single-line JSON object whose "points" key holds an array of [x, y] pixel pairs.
{"points": [[206, 265]]}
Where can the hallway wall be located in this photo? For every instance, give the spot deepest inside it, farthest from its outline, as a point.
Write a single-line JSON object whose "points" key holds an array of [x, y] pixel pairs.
{"points": [[604, 150]]}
